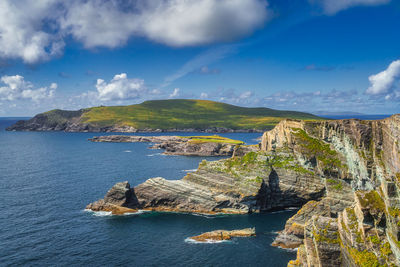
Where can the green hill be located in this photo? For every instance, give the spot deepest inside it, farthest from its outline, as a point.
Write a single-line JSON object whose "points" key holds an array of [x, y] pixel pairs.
{"points": [[164, 115]]}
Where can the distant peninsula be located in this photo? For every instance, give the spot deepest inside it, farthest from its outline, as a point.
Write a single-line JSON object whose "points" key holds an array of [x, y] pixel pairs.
{"points": [[161, 116]]}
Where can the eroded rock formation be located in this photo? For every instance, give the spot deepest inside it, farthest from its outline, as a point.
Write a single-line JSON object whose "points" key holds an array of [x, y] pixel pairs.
{"points": [[344, 174]]}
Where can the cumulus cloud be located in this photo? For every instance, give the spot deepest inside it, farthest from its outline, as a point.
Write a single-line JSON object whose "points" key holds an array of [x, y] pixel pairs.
{"points": [[120, 88], [17, 88], [22, 30], [386, 82], [331, 7], [34, 30]]}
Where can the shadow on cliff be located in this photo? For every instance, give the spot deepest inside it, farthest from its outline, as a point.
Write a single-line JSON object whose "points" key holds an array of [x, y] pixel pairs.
{"points": [[271, 197]]}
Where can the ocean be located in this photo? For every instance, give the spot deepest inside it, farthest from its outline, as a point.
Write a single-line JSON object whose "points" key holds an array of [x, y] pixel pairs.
{"points": [[47, 179]]}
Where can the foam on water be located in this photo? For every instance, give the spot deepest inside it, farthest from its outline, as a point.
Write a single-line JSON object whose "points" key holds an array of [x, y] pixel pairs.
{"points": [[109, 213], [191, 170], [156, 154], [208, 241], [127, 151]]}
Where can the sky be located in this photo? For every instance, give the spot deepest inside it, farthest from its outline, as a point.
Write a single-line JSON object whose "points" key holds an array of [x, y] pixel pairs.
{"points": [[304, 55]]}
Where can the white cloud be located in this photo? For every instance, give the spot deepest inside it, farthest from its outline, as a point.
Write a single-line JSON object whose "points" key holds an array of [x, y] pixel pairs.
{"points": [[194, 22], [17, 88], [385, 82], [175, 93], [34, 30], [22, 33], [120, 88], [331, 7]]}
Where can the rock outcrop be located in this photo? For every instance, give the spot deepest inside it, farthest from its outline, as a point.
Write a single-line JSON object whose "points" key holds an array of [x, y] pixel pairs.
{"points": [[222, 235], [119, 199], [344, 174], [258, 181], [185, 146]]}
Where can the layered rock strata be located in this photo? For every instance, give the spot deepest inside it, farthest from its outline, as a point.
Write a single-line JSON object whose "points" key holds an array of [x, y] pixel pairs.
{"points": [[356, 222], [344, 174]]}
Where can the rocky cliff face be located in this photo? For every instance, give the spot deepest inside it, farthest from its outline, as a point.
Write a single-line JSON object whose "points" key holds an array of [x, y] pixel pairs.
{"points": [[356, 222], [252, 183], [344, 174]]}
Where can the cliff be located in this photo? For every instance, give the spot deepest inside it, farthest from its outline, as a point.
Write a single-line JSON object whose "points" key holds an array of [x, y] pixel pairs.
{"points": [[345, 176], [160, 116], [356, 223]]}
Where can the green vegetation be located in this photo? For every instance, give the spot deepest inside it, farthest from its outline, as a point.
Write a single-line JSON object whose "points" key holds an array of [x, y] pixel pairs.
{"points": [[322, 235], [371, 199], [58, 116], [256, 160], [181, 114], [313, 147], [212, 139], [364, 258], [336, 184], [385, 249], [374, 239]]}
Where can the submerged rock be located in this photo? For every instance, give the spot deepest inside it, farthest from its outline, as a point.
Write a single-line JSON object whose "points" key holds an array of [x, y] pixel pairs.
{"points": [[221, 235]]}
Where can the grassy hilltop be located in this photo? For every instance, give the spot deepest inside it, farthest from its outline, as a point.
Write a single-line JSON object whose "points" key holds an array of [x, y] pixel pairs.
{"points": [[180, 114], [166, 114]]}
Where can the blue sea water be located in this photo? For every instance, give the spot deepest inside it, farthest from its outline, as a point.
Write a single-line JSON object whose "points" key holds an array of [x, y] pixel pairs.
{"points": [[47, 179]]}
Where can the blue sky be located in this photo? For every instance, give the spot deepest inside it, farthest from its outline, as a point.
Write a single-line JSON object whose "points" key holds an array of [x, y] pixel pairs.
{"points": [[311, 55]]}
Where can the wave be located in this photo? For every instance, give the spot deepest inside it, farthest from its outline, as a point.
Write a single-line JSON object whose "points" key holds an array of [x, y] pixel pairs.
{"points": [[109, 213], [287, 249], [208, 241], [191, 170], [99, 213], [127, 151], [156, 154]]}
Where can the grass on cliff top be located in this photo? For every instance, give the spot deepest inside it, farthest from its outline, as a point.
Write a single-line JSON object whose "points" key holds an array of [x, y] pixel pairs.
{"points": [[313, 147], [212, 139], [183, 114]]}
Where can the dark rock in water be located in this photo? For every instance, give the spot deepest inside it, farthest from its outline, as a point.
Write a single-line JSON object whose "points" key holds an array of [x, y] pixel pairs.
{"points": [[120, 194], [119, 199]]}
